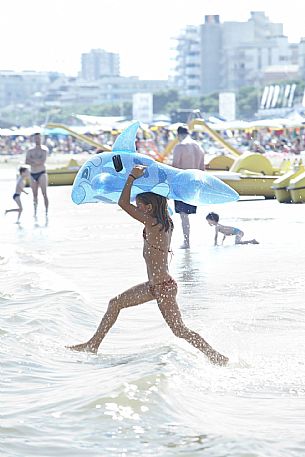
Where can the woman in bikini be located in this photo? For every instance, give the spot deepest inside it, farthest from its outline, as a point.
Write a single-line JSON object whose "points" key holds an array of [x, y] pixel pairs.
{"points": [[151, 210]]}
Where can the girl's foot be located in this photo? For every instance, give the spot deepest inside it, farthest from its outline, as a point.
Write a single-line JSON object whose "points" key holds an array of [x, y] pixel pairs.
{"points": [[218, 359], [83, 347], [254, 242]]}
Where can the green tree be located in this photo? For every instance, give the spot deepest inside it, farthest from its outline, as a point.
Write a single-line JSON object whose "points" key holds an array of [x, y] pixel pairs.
{"points": [[162, 99], [247, 101], [209, 104]]}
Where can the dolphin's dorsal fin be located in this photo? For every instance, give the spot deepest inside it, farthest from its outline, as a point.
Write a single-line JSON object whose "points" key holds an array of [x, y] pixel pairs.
{"points": [[127, 139]]}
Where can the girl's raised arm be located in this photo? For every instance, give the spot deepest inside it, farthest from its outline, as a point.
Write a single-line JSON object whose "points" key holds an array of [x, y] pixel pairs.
{"points": [[124, 200]]}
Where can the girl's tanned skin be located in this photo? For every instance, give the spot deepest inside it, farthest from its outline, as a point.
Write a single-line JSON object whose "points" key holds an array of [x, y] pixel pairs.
{"points": [[151, 211]]}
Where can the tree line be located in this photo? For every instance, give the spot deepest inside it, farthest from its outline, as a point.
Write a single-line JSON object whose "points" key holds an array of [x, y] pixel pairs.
{"points": [[165, 102]]}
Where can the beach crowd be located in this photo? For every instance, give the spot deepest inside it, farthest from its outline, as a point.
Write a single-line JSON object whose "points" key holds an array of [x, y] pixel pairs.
{"points": [[157, 138]]}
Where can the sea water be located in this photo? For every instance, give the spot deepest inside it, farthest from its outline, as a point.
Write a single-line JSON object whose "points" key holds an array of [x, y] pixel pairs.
{"points": [[147, 393]]}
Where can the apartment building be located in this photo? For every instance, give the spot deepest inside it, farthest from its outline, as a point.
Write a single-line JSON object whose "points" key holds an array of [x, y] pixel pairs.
{"points": [[98, 63], [234, 54], [17, 87], [187, 66], [106, 90]]}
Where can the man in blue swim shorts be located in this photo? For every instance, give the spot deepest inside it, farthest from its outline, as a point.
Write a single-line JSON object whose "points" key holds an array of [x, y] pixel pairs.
{"points": [[186, 155]]}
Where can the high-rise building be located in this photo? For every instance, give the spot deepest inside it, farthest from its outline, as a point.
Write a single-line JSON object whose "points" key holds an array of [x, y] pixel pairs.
{"points": [[98, 63], [232, 54], [210, 54], [301, 58], [187, 67]]}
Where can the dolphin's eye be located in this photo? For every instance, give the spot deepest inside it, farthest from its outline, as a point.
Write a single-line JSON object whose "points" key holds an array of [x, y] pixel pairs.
{"points": [[86, 173]]}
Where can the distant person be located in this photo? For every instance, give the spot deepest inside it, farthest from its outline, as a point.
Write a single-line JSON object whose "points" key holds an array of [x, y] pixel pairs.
{"points": [[20, 184], [187, 154], [226, 230], [257, 147], [151, 210], [138, 143], [296, 148], [36, 157]]}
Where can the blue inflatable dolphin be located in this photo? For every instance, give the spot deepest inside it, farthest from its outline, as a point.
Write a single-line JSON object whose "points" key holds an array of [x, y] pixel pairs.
{"points": [[98, 181]]}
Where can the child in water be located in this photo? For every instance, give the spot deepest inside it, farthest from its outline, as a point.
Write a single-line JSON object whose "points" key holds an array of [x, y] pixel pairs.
{"points": [[23, 174], [227, 230], [151, 210]]}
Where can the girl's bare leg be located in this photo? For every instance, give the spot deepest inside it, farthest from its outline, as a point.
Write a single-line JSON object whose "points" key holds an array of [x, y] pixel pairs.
{"points": [[171, 313], [132, 297]]}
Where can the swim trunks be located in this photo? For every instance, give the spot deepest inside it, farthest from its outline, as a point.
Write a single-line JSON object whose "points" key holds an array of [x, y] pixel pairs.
{"points": [[235, 231], [181, 207], [16, 195], [36, 176], [160, 290]]}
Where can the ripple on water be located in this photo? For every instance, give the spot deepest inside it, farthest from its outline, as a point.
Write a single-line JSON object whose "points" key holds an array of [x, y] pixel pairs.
{"points": [[146, 392]]}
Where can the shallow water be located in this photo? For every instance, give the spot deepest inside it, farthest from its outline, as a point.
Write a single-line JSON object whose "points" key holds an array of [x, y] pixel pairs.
{"points": [[147, 393]]}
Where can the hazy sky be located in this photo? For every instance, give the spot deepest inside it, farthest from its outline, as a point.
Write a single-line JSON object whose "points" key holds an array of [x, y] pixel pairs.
{"points": [[51, 34]]}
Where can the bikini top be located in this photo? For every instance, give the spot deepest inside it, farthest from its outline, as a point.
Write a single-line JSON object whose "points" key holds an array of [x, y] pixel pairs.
{"points": [[152, 246]]}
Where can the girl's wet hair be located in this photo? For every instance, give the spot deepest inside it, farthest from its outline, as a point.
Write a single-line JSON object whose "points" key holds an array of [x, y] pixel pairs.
{"points": [[159, 209], [22, 169], [212, 217]]}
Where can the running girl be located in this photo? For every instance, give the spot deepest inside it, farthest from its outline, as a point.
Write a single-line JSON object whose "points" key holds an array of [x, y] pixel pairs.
{"points": [[151, 211]]}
